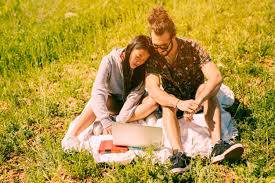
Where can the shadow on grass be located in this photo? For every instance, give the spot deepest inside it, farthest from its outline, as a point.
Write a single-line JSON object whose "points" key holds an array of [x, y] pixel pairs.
{"points": [[241, 113], [233, 163]]}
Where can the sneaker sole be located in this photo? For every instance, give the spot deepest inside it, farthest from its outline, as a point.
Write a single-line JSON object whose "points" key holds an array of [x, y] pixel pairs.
{"points": [[233, 153], [180, 170]]}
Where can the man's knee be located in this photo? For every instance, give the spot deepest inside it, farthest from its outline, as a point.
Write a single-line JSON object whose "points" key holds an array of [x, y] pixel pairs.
{"points": [[200, 89], [213, 100], [211, 104], [168, 110]]}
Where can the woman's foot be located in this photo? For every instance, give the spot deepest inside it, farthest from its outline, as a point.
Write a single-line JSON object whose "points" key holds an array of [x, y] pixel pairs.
{"points": [[70, 143]]}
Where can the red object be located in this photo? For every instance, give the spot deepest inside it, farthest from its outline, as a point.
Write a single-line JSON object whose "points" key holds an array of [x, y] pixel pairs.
{"points": [[107, 146]]}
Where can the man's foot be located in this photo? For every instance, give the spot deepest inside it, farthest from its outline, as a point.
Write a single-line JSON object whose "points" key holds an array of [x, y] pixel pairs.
{"points": [[180, 162], [223, 150]]}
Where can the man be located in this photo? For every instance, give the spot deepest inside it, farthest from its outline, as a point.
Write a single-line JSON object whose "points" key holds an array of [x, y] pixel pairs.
{"points": [[181, 66]]}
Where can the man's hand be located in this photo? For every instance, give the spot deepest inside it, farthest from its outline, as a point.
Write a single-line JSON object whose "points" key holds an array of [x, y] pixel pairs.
{"points": [[189, 106], [188, 117]]}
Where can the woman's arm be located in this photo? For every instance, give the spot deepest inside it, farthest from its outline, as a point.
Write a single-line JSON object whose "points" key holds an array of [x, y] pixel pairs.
{"points": [[100, 92], [132, 101], [96, 106]]}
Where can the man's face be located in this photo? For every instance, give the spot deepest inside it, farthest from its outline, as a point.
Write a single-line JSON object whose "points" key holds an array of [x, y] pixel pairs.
{"points": [[162, 43]]}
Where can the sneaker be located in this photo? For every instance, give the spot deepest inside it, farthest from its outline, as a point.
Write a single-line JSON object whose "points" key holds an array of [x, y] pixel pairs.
{"points": [[97, 128], [70, 143], [223, 150], [180, 162]]}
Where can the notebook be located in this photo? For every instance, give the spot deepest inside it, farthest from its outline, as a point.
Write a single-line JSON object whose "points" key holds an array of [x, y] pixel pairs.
{"points": [[136, 135], [107, 146]]}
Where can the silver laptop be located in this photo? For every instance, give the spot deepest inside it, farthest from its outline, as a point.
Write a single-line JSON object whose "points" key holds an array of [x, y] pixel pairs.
{"points": [[136, 135]]}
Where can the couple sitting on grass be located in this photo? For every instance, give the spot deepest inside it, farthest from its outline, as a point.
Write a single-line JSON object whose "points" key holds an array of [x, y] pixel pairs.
{"points": [[181, 66]]}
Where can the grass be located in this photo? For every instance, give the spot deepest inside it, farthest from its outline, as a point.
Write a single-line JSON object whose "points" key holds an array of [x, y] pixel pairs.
{"points": [[49, 54]]}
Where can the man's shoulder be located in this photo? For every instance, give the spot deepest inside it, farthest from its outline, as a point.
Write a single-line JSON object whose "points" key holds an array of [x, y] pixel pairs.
{"points": [[154, 64], [187, 42], [194, 48], [190, 46], [155, 57]]}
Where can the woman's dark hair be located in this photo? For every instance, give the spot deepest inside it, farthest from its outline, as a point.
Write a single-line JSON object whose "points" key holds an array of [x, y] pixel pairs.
{"points": [[138, 75]]}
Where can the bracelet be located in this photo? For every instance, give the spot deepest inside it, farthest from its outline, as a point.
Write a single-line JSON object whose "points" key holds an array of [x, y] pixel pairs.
{"points": [[176, 105]]}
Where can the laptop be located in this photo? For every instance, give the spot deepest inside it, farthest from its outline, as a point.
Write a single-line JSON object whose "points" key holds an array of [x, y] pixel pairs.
{"points": [[136, 135]]}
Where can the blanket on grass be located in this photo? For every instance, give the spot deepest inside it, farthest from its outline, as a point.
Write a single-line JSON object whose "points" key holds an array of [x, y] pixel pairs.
{"points": [[194, 135]]}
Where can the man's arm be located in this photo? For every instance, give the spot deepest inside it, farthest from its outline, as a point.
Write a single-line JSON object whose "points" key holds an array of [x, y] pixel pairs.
{"points": [[213, 83], [152, 83]]}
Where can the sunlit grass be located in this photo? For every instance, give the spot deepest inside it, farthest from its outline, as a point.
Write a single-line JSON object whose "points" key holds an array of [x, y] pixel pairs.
{"points": [[49, 54]]}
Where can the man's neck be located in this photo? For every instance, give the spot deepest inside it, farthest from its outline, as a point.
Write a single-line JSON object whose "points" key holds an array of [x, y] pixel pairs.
{"points": [[171, 57]]}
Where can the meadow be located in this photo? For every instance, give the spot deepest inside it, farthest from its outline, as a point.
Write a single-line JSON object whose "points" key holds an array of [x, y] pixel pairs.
{"points": [[49, 54]]}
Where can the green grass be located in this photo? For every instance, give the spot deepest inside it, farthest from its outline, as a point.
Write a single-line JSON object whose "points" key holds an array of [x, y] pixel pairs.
{"points": [[48, 63]]}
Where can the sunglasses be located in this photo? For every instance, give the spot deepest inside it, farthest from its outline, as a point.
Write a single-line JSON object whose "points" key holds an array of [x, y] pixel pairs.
{"points": [[165, 47]]}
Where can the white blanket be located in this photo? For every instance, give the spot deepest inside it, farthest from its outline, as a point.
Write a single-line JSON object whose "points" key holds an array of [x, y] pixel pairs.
{"points": [[194, 135]]}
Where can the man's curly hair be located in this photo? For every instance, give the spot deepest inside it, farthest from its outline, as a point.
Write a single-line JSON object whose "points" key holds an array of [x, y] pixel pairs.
{"points": [[159, 22]]}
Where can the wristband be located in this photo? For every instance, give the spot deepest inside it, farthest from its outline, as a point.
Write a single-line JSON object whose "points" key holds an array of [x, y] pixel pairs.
{"points": [[176, 105]]}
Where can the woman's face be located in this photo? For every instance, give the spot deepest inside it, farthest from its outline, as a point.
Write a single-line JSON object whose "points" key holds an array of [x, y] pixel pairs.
{"points": [[138, 57]]}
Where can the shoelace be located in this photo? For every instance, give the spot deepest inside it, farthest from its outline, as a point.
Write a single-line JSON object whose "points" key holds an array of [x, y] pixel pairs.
{"points": [[176, 158], [220, 147]]}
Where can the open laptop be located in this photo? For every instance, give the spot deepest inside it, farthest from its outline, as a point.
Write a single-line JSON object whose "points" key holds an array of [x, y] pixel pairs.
{"points": [[136, 135]]}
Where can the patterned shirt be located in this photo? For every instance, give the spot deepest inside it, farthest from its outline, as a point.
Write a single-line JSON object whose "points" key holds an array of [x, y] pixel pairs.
{"points": [[183, 77]]}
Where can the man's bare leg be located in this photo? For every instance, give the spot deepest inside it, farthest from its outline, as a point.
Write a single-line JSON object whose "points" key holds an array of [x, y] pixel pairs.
{"points": [[171, 126], [212, 114], [221, 150], [179, 161]]}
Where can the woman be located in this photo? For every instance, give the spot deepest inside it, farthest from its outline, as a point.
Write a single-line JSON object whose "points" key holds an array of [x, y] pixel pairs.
{"points": [[118, 89]]}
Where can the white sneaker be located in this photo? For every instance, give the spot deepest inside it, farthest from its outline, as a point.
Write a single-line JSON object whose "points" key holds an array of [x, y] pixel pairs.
{"points": [[97, 128], [70, 143]]}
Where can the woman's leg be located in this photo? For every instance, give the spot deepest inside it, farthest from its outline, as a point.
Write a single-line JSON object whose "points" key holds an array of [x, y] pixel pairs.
{"points": [[87, 117], [114, 105], [147, 106]]}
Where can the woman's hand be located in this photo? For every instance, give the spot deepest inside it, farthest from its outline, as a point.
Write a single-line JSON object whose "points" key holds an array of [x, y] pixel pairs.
{"points": [[108, 130], [189, 106]]}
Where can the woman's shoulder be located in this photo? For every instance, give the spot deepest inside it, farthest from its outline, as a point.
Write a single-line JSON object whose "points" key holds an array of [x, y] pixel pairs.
{"points": [[115, 54], [113, 59]]}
